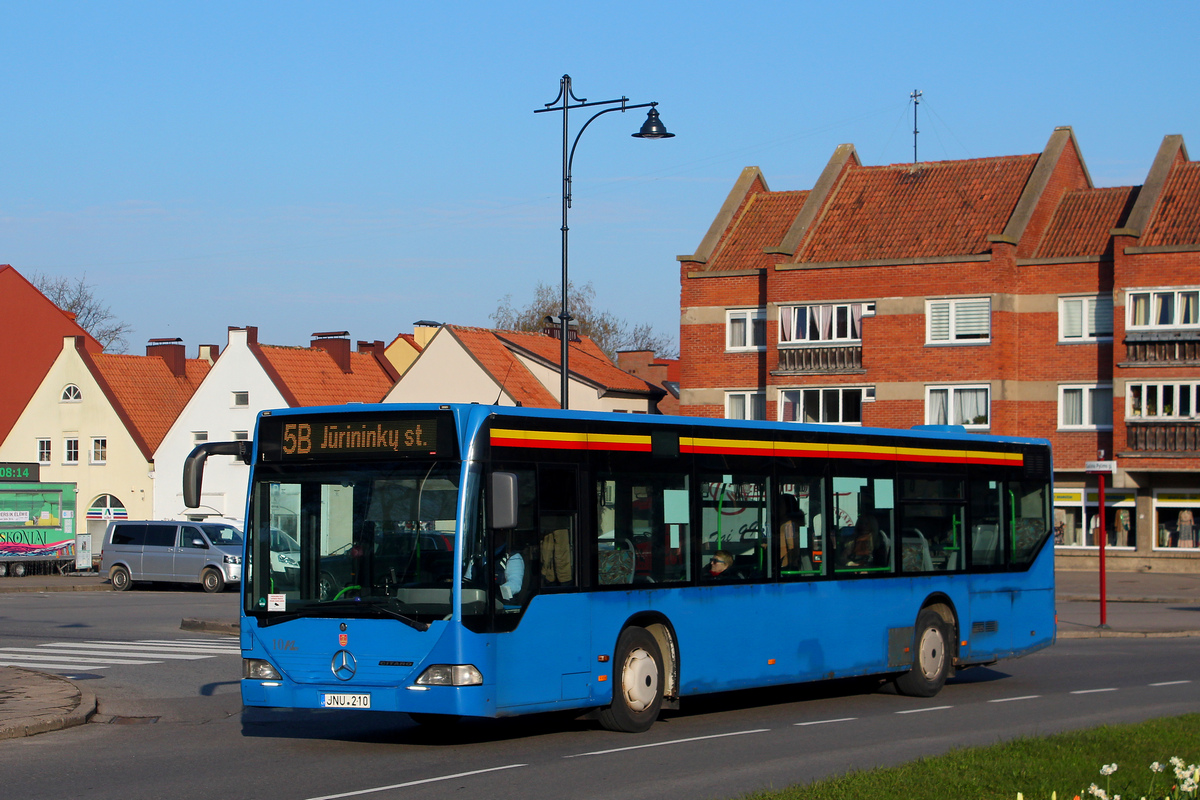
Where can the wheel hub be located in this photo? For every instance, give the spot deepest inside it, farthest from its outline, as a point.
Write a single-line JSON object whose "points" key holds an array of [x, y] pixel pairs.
{"points": [[932, 653], [639, 680]]}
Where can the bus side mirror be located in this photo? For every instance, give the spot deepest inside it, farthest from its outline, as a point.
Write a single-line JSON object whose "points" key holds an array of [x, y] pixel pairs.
{"points": [[193, 466], [503, 500]]}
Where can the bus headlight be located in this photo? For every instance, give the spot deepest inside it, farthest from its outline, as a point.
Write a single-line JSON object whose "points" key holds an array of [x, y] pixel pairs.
{"points": [[259, 669], [451, 675]]}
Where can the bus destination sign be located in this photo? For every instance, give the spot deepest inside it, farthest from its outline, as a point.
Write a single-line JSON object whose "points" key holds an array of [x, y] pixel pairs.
{"points": [[362, 437]]}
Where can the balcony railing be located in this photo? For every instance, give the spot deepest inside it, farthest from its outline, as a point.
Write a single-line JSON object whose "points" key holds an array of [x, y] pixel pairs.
{"points": [[838, 358], [1163, 437], [1173, 348]]}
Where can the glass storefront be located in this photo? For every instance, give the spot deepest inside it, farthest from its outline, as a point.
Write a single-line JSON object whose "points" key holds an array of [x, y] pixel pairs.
{"points": [[1175, 516], [1077, 520]]}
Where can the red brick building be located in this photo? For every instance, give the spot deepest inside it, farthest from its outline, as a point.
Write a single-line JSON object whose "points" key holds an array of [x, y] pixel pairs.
{"points": [[1008, 295]]}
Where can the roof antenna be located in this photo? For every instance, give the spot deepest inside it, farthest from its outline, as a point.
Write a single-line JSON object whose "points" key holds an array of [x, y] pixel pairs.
{"points": [[916, 98]]}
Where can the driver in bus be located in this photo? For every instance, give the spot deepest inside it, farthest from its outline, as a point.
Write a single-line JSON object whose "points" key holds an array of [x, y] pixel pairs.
{"points": [[508, 567]]}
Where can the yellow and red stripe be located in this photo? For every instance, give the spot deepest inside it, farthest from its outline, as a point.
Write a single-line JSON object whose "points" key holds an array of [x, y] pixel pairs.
{"points": [[640, 443]]}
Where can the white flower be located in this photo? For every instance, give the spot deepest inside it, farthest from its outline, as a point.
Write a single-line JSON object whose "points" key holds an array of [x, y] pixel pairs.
{"points": [[1157, 767], [1097, 792], [1176, 761], [1108, 769]]}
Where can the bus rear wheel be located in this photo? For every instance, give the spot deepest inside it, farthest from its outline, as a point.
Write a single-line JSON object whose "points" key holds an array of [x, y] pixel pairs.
{"points": [[931, 659], [637, 683]]}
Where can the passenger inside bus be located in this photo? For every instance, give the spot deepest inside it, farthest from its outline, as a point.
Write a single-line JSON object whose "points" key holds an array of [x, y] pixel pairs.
{"points": [[866, 548], [719, 565]]}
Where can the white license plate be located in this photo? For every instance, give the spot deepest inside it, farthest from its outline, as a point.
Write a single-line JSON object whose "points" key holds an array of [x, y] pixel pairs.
{"points": [[347, 701]]}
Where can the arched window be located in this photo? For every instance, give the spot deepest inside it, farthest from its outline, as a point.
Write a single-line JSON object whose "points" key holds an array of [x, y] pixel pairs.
{"points": [[71, 394]]}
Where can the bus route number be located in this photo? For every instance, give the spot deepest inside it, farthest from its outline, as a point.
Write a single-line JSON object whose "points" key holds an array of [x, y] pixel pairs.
{"points": [[297, 438]]}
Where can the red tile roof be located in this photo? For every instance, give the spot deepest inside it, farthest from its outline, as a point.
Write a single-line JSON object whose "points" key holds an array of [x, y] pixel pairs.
{"points": [[1081, 223], [505, 368], [1176, 218], [762, 222], [310, 376], [586, 360], [145, 394], [931, 209], [33, 334]]}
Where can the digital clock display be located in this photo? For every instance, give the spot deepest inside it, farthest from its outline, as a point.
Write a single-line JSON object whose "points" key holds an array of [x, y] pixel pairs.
{"points": [[25, 473], [299, 438]]}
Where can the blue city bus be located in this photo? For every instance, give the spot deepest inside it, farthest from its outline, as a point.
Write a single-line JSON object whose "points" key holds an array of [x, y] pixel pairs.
{"points": [[452, 561]]}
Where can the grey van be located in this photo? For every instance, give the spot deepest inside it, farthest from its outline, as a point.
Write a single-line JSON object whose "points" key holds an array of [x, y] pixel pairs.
{"points": [[208, 553]]}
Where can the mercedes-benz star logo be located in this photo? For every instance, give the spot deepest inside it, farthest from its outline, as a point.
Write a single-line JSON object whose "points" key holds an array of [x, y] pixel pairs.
{"points": [[344, 666]]}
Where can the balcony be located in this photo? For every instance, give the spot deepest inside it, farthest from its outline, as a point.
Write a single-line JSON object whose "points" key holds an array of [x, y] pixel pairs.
{"points": [[1163, 437], [1165, 348], [829, 359]]}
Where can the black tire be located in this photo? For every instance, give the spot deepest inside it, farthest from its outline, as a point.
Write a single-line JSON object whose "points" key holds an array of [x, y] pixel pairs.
{"points": [[933, 648], [637, 683], [120, 579], [327, 587], [212, 580]]}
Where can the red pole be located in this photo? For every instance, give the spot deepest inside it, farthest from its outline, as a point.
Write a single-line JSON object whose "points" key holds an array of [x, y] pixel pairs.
{"points": [[1103, 572]]}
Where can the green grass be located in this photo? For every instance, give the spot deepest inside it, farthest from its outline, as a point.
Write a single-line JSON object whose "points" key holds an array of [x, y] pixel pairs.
{"points": [[1065, 763]]}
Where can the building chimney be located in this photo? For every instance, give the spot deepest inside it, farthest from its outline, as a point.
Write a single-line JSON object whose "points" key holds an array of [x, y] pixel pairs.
{"points": [[209, 352], [170, 351], [423, 331], [337, 344], [377, 349], [251, 333]]}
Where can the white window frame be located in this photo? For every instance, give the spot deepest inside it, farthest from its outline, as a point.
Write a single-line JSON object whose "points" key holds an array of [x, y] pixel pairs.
{"points": [[1088, 406], [747, 397], [199, 437], [823, 393], [1147, 390], [243, 397], [69, 443], [1178, 295], [45, 451], [1092, 312], [789, 334], [71, 394], [956, 306], [749, 316], [950, 405], [100, 442]]}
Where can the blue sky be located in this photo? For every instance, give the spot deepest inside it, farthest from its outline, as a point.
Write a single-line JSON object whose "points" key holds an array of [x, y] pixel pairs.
{"points": [[358, 166]]}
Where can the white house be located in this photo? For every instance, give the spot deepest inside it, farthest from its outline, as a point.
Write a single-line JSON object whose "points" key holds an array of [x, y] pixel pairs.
{"points": [[247, 378], [461, 364]]}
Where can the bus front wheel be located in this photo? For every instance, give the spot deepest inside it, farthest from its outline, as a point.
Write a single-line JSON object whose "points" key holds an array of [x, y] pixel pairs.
{"points": [[931, 659], [637, 683]]}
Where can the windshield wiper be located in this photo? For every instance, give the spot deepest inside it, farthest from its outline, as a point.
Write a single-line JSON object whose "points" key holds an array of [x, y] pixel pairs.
{"points": [[382, 605]]}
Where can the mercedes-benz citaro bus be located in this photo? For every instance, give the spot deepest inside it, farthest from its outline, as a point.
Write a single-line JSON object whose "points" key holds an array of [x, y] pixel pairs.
{"points": [[484, 561]]}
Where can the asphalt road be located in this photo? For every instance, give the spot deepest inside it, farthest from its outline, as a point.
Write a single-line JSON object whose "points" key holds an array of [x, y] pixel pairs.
{"points": [[203, 745]]}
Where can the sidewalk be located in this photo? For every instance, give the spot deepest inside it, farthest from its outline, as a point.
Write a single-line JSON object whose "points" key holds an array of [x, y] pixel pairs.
{"points": [[1140, 604]]}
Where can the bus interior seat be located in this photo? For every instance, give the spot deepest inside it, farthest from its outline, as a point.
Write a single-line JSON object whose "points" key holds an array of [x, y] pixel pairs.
{"points": [[985, 544], [914, 552]]}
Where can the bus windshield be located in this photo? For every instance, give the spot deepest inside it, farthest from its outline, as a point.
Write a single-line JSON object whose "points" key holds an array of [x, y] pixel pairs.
{"points": [[374, 540]]}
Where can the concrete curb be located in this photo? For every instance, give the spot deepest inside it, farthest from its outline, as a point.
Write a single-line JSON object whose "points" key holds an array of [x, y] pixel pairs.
{"points": [[1095, 598], [1099, 634], [44, 723], [211, 626], [99, 587]]}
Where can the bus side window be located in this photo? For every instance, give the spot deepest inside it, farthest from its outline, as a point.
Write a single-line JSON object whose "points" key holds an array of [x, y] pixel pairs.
{"points": [[864, 510], [557, 524], [987, 545], [643, 531], [801, 535], [1029, 505]]}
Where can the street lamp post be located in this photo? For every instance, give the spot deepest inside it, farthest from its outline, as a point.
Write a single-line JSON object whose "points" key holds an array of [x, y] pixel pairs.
{"points": [[652, 128]]}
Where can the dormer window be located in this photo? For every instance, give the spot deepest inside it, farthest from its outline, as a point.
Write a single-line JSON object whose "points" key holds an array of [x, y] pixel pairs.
{"points": [[71, 394]]}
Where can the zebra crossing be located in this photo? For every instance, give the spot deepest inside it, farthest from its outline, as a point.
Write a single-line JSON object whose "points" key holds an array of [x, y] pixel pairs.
{"points": [[69, 658]]}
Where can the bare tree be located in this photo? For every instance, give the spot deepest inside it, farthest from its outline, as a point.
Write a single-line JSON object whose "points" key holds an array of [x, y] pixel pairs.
{"points": [[79, 297], [606, 329]]}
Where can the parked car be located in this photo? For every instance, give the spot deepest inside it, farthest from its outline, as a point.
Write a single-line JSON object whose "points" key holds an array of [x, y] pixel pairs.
{"points": [[208, 553]]}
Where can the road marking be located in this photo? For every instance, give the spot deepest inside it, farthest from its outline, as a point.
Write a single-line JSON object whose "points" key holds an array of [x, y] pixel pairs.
{"points": [[1093, 691], [122, 650], [922, 710], [1169, 683], [29, 654], [72, 668], [662, 744], [417, 783], [825, 721], [1014, 699]]}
